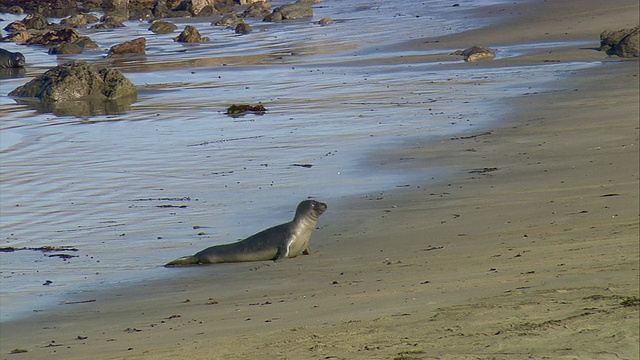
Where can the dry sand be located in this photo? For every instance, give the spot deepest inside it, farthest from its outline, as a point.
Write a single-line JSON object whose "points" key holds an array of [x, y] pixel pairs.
{"points": [[530, 251]]}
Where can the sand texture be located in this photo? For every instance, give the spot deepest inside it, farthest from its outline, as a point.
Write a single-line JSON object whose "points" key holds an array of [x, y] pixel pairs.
{"points": [[531, 250]]}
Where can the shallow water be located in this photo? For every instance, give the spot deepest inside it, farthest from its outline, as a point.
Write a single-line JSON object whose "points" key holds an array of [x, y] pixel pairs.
{"points": [[171, 174]]}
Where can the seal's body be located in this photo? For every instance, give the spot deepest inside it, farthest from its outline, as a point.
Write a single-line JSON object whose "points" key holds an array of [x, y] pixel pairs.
{"points": [[280, 242], [10, 59]]}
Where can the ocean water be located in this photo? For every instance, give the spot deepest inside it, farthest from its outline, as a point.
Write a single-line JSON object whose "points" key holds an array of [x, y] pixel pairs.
{"points": [[135, 186]]}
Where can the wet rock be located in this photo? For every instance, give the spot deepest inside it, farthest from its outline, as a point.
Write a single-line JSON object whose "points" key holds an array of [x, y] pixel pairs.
{"points": [[13, 9], [325, 21], [79, 20], [66, 48], [15, 26], [243, 28], [224, 6], [162, 27], [49, 8], [35, 21], [10, 59], [76, 80], [53, 37], [623, 43], [133, 47], [86, 42], [290, 12], [476, 53], [109, 23], [195, 7], [20, 36], [228, 20], [190, 34], [256, 10]]}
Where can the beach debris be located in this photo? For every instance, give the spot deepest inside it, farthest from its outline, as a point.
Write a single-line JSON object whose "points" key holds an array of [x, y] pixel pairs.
{"points": [[483, 170], [303, 165], [476, 53], [242, 109], [623, 43], [18, 351], [47, 282], [41, 248], [79, 302], [191, 35]]}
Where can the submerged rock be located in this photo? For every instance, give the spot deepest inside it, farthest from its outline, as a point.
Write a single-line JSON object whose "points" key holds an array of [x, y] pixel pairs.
{"points": [[243, 28], [76, 80]]}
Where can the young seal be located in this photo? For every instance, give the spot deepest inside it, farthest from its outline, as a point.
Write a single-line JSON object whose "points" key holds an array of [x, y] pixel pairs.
{"points": [[10, 59], [280, 242]]}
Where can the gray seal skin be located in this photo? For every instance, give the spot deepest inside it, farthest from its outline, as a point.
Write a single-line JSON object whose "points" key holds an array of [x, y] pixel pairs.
{"points": [[277, 243], [10, 59]]}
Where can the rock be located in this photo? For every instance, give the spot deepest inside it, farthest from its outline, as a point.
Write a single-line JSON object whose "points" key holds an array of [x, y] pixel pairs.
{"points": [[195, 7], [476, 53], [15, 26], [162, 27], [49, 8], [243, 28], [76, 80], [86, 42], [53, 37], [133, 47], [15, 9], [258, 9], [325, 21], [66, 48], [109, 23], [20, 36], [190, 34], [79, 20], [290, 12], [35, 21], [10, 59], [623, 43], [228, 20]]}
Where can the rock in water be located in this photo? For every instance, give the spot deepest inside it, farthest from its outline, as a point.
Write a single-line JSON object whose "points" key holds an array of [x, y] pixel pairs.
{"points": [[623, 43], [76, 80], [190, 34], [162, 27], [290, 12], [133, 47]]}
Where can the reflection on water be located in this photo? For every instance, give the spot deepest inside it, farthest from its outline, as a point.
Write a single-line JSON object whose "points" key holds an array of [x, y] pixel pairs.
{"points": [[170, 174], [81, 108]]}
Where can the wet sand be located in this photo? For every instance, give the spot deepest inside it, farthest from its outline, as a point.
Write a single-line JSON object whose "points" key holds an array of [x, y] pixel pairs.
{"points": [[529, 251]]}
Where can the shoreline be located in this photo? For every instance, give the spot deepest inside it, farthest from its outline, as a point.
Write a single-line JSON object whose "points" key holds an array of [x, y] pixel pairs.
{"points": [[534, 258]]}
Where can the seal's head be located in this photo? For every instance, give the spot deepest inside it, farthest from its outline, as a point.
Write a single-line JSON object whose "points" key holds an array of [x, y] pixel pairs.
{"points": [[310, 208], [17, 59]]}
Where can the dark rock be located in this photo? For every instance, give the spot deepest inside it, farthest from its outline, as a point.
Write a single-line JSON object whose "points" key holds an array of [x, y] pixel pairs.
{"points": [[35, 21], [290, 12], [79, 20], [15, 26], [162, 27], [86, 42], [13, 9], [256, 10], [133, 47], [190, 34], [66, 48], [49, 8], [180, 14], [53, 37], [207, 11], [76, 80], [20, 36], [325, 21], [243, 28], [224, 6], [228, 20], [10, 59], [108, 24], [623, 43]]}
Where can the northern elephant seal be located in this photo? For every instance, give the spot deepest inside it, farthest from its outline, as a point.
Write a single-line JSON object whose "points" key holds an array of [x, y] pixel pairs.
{"points": [[10, 59], [277, 243]]}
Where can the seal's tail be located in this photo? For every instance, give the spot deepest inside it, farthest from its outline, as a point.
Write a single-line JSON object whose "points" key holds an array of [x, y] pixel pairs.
{"points": [[185, 260]]}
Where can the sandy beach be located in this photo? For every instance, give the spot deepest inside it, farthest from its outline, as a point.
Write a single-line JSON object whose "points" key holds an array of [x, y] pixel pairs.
{"points": [[529, 251]]}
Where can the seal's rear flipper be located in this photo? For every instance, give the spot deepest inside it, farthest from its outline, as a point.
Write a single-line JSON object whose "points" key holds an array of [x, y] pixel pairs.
{"points": [[185, 260]]}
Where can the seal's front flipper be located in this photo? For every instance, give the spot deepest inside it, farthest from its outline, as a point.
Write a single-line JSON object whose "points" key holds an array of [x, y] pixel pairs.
{"points": [[185, 260], [283, 253]]}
